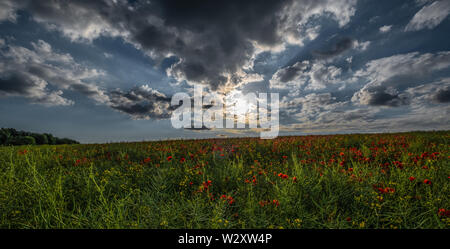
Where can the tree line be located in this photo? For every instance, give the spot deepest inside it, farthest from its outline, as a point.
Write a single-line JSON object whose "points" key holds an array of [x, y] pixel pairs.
{"points": [[10, 136]]}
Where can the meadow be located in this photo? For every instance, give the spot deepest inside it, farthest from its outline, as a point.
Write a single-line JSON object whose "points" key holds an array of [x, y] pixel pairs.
{"points": [[391, 181]]}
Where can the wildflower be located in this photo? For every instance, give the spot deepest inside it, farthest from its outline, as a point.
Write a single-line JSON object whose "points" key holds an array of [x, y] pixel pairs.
{"points": [[182, 159], [412, 178], [443, 212], [284, 176], [263, 203], [169, 158], [389, 190], [426, 181], [146, 160], [23, 152], [276, 203], [284, 157]]}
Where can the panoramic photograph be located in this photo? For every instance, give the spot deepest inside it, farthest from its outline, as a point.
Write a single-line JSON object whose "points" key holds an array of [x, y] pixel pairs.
{"points": [[208, 116]]}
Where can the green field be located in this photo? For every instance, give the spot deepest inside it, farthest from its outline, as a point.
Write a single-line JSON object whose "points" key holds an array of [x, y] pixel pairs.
{"points": [[338, 181]]}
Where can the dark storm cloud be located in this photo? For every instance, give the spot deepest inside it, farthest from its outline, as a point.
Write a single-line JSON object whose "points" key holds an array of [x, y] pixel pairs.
{"points": [[16, 84], [442, 96], [212, 38], [222, 33], [141, 103], [338, 48], [289, 73], [32, 88], [382, 97], [28, 73], [391, 76]]}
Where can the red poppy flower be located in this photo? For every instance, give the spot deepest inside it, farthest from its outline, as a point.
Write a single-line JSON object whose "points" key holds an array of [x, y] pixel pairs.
{"points": [[412, 178], [426, 181], [443, 212], [169, 158], [276, 203]]}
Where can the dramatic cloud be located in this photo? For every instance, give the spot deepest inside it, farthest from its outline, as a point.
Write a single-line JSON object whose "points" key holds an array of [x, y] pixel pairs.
{"points": [[380, 96], [141, 102], [396, 81], [332, 74], [443, 95], [213, 40], [429, 16], [318, 73], [436, 92], [388, 77], [338, 48], [33, 73], [312, 75]]}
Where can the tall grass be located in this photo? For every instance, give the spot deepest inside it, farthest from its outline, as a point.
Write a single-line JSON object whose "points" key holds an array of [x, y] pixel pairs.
{"points": [[290, 182]]}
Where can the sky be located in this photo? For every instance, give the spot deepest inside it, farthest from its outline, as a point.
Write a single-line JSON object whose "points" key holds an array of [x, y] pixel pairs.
{"points": [[105, 71]]}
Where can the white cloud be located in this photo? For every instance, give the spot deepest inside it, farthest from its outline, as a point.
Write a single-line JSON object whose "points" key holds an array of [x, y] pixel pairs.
{"points": [[429, 16], [108, 55], [361, 45], [385, 28]]}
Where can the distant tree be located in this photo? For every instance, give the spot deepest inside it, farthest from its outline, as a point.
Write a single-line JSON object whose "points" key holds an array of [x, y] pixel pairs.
{"points": [[51, 139], [65, 141], [4, 136], [22, 140], [10, 136], [12, 132], [40, 138]]}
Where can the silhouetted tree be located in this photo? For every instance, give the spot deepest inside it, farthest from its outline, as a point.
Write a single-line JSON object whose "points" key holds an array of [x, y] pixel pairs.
{"points": [[40, 138], [22, 140], [10, 136]]}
